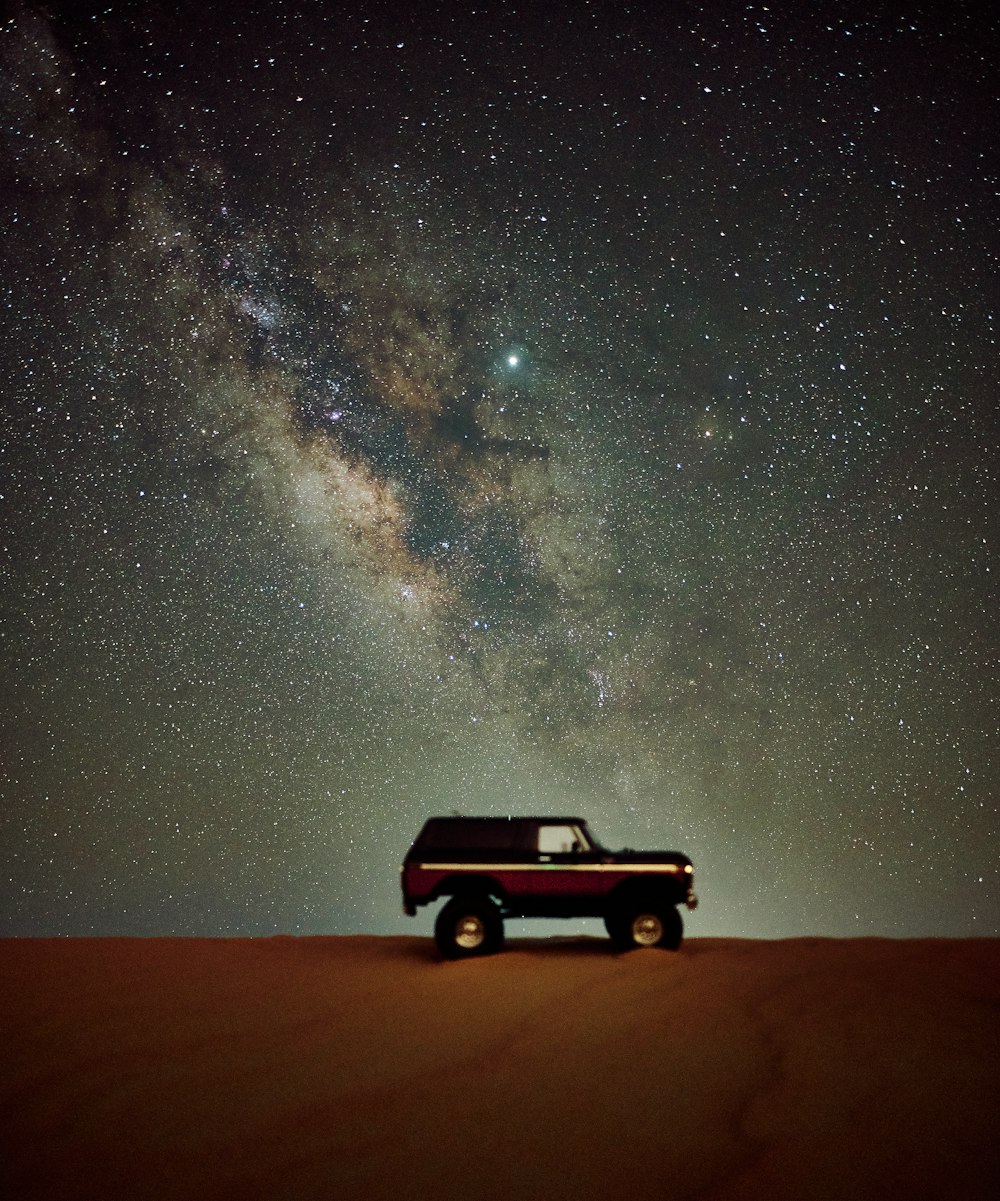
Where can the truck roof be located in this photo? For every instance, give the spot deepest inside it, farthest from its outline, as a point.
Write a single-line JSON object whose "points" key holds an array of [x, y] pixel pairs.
{"points": [[485, 832], [560, 819]]}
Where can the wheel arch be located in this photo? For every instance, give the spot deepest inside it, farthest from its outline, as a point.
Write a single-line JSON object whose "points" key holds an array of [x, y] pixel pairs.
{"points": [[458, 885], [664, 891]]}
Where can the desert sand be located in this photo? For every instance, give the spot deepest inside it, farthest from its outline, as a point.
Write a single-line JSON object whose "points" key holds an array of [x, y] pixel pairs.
{"points": [[367, 1067]]}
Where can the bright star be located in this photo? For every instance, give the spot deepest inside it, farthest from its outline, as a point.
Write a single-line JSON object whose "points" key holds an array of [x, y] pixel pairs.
{"points": [[512, 360]]}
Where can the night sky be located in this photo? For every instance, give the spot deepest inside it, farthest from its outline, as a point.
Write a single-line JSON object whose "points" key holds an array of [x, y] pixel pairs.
{"points": [[578, 409]]}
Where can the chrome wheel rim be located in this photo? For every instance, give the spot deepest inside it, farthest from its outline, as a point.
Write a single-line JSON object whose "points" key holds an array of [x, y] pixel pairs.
{"points": [[647, 929], [470, 932]]}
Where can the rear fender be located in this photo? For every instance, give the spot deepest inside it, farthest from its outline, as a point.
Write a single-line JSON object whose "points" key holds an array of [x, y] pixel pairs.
{"points": [[464, 885]]}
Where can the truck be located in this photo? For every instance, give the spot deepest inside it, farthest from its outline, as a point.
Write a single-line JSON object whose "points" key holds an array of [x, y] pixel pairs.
{"points": [[487, 869]]}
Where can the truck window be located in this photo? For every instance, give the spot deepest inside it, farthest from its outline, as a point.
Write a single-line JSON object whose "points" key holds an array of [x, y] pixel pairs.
{"points": [[559, 840]]}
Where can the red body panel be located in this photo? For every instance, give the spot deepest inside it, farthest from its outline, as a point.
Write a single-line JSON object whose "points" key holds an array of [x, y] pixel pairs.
{"points": [[585, 881]]}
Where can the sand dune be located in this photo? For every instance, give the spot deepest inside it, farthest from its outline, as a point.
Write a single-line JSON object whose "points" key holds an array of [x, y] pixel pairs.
{"points": [[365, 1067]]}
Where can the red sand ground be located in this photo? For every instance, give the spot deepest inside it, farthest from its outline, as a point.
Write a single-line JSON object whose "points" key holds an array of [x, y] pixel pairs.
{"points": [[343, 1068]]}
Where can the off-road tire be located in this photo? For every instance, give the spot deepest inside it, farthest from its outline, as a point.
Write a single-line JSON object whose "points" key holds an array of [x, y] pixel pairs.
{"points": [[469, 926], [645, 922]]}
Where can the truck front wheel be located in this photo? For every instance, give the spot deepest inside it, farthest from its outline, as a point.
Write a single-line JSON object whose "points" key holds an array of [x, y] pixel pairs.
{"points": [[468, 926], [645, 923]]}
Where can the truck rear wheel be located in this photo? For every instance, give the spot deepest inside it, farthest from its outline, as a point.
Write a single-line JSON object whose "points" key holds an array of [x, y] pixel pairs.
{"points": [[468, 926], [645, 923]]}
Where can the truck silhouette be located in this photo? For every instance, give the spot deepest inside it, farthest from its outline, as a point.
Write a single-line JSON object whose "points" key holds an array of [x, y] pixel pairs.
{"points": [[492, 868]]}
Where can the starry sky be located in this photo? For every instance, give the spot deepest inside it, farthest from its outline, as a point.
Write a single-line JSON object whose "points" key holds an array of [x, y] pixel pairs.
{"points": [[461, 407]]}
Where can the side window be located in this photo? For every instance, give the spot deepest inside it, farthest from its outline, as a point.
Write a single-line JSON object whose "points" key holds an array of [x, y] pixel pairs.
{"points": [[558, 840]]}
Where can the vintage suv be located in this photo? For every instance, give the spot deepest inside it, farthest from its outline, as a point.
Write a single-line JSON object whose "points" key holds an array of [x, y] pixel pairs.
{"points": [[497, 867]]}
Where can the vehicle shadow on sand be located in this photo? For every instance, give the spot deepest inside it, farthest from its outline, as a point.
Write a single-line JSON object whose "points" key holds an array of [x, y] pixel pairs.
{"points": [[579, 947]]}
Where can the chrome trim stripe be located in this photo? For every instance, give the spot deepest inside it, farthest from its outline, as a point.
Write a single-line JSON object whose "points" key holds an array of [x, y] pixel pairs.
{"points": [[548, 867]]}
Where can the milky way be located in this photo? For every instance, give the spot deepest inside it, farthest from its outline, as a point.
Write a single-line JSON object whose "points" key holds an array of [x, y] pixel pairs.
{"points": [[572, 410]]}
